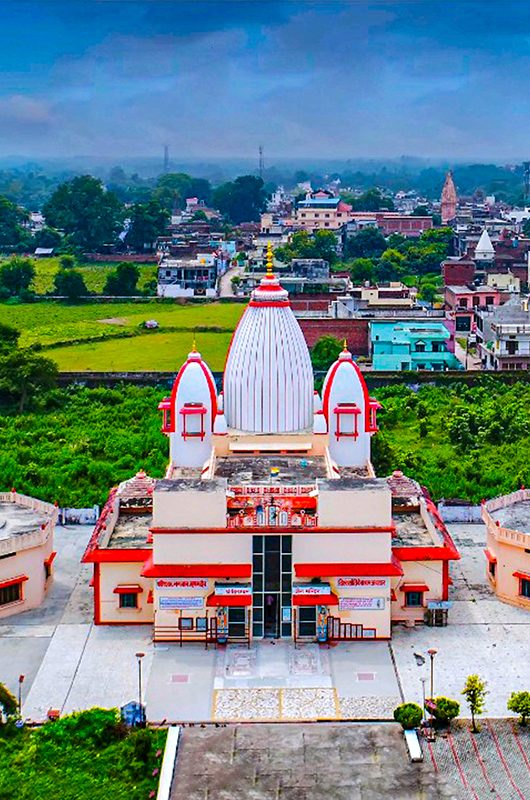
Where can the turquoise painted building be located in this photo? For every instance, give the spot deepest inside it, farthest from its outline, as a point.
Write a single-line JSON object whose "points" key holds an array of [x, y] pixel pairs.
{"points": [[412, 345]]}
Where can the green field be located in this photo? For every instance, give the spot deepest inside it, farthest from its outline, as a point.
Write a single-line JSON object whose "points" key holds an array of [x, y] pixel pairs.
{"points": [[95, 274], [54, 325], [153, 351]]}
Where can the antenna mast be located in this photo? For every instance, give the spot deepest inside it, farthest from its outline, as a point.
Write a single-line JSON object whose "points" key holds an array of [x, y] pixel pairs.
{"points": [[261, 163], [166, 158]]}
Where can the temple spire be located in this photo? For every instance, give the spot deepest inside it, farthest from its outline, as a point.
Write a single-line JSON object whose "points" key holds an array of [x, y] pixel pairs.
{"points": [[270, 259]]}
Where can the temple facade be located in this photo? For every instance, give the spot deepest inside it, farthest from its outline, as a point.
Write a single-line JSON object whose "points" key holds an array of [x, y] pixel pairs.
{"points": [[270, 520]]}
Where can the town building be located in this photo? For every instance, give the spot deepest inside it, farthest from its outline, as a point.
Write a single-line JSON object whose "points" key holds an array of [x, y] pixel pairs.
{"points": [[188, 277], [26, 551], [449, 199], [322, 211], [270, 521], [413, 345], [507, 551], [463, 302], [503, 335], [301, 276]]}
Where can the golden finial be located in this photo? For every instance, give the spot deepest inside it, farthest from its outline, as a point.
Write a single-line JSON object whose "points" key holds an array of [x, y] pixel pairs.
{"points": [[270, 259], [344, 346], [194, 345]]}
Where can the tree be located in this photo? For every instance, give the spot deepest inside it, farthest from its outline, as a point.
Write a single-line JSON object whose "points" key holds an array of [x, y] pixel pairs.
{"points": [[302, 244], [16, 275], [371, 200], [409, 715], [25, 375], [475, 693], [8, 337], [8, 702], [123, 280], [421, 211], [361, 270], [428, 292], [325, 352], [148, 220], [47, 237], [67, 262], [12, 219], [70, 283], [241, 200], [86, 211], [445, 709], [519, 702], [367, 243], [172, 190]]}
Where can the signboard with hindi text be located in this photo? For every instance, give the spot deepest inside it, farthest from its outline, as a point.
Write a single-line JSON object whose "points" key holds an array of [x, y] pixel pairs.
{"points": [[181, 602], [361, 603]]}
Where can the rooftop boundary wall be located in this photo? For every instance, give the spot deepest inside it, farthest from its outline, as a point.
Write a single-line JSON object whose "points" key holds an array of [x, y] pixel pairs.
{"points": [[413, 380]]}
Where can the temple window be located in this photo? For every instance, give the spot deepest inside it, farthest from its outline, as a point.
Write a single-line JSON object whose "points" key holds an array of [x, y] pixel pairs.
{"points": [[193, 420], [373, 408], [525, 588], [347, 420], [165, 407]]}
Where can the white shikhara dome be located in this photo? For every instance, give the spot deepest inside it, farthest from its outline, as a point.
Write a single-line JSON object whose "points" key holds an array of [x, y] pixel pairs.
{"points": [[268, 380]]}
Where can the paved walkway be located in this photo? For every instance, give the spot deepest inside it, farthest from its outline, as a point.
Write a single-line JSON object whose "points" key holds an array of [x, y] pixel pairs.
{"points": [[71, 664], [483, 636]]}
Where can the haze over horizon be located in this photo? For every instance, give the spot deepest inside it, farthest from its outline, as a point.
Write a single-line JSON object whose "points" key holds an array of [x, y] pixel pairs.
{"points": [[334, 80]]}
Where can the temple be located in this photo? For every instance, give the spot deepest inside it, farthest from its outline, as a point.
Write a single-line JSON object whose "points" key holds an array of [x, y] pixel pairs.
{"points": [[270, 520], [448, 200]]}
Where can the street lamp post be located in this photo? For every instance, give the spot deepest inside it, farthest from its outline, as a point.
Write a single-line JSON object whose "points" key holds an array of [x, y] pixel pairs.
{"points": [[20, 682], [432, 652], [139, 656], [423, 682]]}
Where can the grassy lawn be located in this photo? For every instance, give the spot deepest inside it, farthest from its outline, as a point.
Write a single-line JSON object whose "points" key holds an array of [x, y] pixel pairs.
{"points": [[48, 324], [153, 351], [80, 764], [95, 274]]}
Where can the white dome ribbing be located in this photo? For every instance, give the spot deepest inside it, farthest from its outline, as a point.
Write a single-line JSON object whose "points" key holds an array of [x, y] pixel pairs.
{"points": [[268, 381]]}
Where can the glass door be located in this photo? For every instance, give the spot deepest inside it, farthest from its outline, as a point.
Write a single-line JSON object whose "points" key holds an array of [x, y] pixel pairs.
{"points": [[272, 586]]}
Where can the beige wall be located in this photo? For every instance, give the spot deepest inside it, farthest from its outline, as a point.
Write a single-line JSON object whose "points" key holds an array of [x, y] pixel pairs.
{"points": [[190, 508], [427, 572], [112, 575], [202, 548], [28, 562], [510, 559], [366, 507], [348, 548], [368, 618]]}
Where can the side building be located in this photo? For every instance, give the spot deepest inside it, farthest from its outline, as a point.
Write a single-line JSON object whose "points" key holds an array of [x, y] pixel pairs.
{"points": [[270, 521], [26, 551], [507, 553]]}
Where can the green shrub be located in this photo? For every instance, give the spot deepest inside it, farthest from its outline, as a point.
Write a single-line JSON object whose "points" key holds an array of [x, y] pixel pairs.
{"points": [[8, 701], [409, 715], [97, 727], [445, 709], [519, 702]]}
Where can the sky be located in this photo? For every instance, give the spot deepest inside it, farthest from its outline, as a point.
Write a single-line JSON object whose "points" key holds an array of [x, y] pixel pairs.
{"points": [[335, 79]]}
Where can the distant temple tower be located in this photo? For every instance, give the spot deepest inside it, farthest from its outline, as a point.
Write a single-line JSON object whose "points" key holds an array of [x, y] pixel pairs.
{"points": [[448, 201]]}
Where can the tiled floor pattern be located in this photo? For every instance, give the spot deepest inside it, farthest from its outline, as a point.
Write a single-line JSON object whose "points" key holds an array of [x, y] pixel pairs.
{"points": [[494, 763], [268, 704]]}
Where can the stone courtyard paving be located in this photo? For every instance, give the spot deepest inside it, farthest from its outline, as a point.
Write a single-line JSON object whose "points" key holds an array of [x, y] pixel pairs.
{"points": [[303, 762], [483, 636]]}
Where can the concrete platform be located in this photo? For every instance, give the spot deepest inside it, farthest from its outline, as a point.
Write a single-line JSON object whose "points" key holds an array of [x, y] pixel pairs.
{"points": [[302, 762]]}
